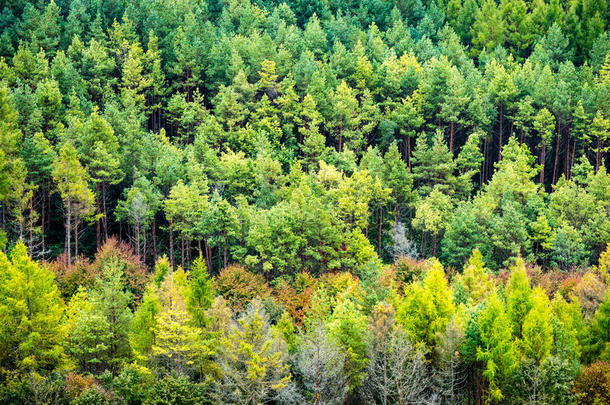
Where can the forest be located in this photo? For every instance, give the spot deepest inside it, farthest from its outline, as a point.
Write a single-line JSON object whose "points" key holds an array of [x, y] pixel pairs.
{"points": [[304, 202]]}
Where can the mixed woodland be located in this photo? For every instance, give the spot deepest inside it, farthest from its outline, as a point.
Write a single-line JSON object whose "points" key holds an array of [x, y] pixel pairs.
{"points": [[304, 202]]}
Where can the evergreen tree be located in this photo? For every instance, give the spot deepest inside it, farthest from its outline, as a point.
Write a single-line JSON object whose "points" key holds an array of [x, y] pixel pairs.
{"points": [[71, 180], [31, 311]]}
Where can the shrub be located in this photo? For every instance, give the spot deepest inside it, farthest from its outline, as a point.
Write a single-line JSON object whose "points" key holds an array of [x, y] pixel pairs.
{"points": [[82, 272], [176, 390], [590, 292], [239, 286], [296, 297], [593, 385], [70, 276], [408, 269]]}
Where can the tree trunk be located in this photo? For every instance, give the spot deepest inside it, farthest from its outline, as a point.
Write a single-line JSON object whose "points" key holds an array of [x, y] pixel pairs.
{"points": [[68, 230], [566, 169], [75, 239], [500, 135], [171, 245], [136, 230], [208, 256], [451, 137], [380, 225], [483, 169], [598, 156], [154, 239], [182, 252], [542, 159], [573, 156], [408, 141], [556, 151], [98, 210], [224, 234], [105, 217]]}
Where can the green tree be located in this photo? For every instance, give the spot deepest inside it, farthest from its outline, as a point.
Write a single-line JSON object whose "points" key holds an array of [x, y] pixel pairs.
{"points": [[99, 148], [519, 297], [99, 337], [199, 293], [431, 217], [31, 311], [349, 327], [537, 328], [544, 124], [489, 28], [427, 306], [600, 132], [71, 179], [496, 348], [476, 278]]}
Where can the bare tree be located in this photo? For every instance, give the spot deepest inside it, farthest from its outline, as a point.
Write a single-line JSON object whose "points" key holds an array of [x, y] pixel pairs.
{"points": [[451, 373], [319, 364], [402, 246], [398, 373]]}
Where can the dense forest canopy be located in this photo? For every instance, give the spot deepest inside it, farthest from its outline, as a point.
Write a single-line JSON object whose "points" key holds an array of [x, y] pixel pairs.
{"points": [[313, 201]]}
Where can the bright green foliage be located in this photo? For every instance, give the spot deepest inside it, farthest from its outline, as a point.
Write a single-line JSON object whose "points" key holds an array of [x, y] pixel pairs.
{"points": [[475, 278], [177, 347], [600, 329], [199, 293], [519, 296], [431, 215], [348, 326], [537, 329], [426, 307], [142, 336], [313, 155], [489, 28], [10, 164], [496, 348], [433, 166], [30, 314]]}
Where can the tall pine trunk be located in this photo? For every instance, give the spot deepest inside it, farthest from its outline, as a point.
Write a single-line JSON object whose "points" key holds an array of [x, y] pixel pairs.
{"points": [[154, 239], [105, 217], [98, 211], [171, 245], [500, 135], [380, 225], [451, 136], [566, 169], [556, 151], [68, 244], [542, 161]]}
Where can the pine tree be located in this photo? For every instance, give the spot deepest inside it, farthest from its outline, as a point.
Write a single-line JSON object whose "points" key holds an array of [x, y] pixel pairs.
{"points": [[496, 349], [71, 180], [519, 299], [475, 278], [537, 328], [31, 311], [427, 307], [199, 293], [600, 131]]}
